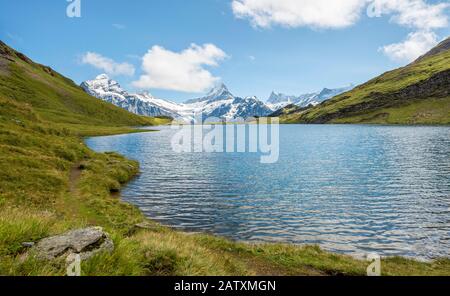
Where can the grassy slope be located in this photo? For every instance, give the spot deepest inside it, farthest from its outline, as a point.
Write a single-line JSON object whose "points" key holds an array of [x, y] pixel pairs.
{"points": [[431, 110], [42, 192]]}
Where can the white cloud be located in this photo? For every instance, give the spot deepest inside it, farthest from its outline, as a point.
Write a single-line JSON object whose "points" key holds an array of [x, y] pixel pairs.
{"points": [[299, 13], [180, 71], [417, 44], [339, 13], [412, 13], [416, 14], [419, 15], [107, 65]]}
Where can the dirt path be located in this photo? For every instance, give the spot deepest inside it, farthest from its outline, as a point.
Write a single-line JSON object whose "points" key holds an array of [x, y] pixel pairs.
{"points": [[74, 177]]}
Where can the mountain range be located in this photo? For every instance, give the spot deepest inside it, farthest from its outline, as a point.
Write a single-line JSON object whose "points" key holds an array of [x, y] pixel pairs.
{"points": [[217, 105], [278, 100]]}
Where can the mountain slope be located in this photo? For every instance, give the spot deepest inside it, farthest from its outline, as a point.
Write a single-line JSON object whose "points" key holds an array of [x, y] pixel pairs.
{"points": [[441, 47], [416, 94], [110, 91], [55, 98]]}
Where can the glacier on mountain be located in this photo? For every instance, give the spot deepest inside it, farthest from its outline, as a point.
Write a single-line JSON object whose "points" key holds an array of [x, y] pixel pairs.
{"points": [[219, 103]]}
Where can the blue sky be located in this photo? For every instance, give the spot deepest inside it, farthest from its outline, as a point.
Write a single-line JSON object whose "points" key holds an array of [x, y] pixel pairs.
{"points": [[252, 53]]}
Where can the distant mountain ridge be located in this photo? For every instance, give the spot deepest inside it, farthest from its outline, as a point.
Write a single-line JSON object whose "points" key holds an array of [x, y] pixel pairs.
{"points": [[278, 100], [219, 103], [418, 93]]}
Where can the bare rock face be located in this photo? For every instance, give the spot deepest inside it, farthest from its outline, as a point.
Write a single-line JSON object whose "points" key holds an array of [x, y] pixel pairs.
{"points": [[84, 242]]}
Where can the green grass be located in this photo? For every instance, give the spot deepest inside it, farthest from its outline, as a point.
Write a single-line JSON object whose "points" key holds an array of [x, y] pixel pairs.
{"points": [[55, 98], [50, 182], [372, 102], [429, 112]]}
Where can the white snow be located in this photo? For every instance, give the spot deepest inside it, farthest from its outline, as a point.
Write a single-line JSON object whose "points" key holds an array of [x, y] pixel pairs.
{"points": [[219, 102]]}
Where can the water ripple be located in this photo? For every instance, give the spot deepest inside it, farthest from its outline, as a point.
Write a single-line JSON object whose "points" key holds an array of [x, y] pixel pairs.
{"points": [[351, 189]]}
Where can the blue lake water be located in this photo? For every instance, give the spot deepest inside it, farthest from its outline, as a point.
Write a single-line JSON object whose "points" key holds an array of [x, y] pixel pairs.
{"points": [[350, 189]]}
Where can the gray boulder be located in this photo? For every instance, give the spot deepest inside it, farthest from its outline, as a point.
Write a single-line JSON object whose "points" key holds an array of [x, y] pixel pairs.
{"points": [[84, 242]]}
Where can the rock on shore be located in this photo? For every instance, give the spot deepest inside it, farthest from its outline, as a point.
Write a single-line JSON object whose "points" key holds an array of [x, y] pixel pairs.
{"points": [[85, 242]]}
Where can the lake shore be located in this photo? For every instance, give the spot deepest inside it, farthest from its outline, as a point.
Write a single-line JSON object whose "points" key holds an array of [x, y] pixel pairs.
{"points": [[311, 256], [155, 250]]}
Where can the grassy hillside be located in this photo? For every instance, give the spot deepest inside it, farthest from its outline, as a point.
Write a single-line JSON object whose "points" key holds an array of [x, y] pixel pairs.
{"points": [[55, 98], [50, 182], [416, 94]]}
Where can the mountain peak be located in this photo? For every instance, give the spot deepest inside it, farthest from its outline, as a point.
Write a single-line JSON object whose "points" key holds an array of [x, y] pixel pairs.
{"points": [[146, 95], [102, 83], [102, 77], [218, 93], [275, 98], [218, 89]]}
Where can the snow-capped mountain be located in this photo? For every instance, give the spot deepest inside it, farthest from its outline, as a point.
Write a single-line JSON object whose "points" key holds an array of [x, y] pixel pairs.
{"points": [[222, 104], [327, 93], [278, 100], [218, 93], [104, 88], [219, 103]]}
